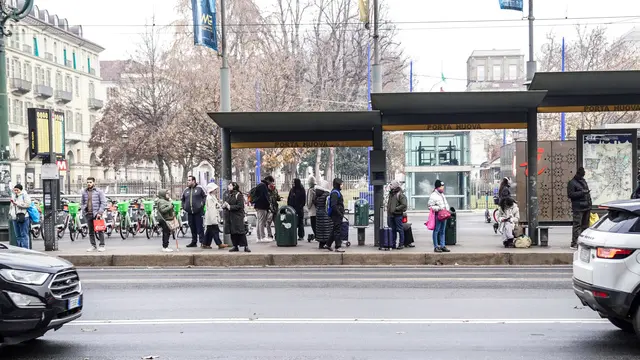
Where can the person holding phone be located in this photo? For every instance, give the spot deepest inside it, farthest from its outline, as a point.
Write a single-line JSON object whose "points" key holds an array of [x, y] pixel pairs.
{"points": [[20, 202], [508, 216], [580, 196]]}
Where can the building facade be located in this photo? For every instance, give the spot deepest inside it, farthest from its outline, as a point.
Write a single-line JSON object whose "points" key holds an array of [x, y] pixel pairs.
{"points": [[51, 65]]}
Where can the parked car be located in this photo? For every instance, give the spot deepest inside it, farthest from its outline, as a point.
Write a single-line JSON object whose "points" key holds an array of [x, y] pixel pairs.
{"points": [[38, 293], [606, 266]]}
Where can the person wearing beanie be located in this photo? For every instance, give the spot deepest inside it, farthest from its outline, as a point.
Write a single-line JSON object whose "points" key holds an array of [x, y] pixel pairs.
{"points": [[336, 213], [311, 206], [396, 206], [438, 202]]}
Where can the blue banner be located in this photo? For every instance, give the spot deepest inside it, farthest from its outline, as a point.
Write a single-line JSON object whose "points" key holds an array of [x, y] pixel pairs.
{"points": [[511, 5], [204, 23]]}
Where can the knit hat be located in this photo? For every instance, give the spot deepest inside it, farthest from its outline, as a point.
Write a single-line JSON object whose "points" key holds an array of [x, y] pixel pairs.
{"points": [[394, 184], [439, 184]]}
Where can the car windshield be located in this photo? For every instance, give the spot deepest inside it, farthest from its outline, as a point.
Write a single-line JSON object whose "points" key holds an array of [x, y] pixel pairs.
{"points": [[619, 221]]}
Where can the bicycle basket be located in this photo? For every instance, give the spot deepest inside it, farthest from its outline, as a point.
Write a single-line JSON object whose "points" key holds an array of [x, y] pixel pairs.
{"points": [[73, 209], [123, 207], [148, 206], [177, 206]]}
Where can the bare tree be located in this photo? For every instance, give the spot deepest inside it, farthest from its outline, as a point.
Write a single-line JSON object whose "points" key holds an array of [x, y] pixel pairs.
{"points": [[591, 51]]}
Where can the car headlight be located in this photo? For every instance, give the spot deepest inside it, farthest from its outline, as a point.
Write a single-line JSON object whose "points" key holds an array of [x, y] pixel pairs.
{"points": [[24, 277], [25, 301]]}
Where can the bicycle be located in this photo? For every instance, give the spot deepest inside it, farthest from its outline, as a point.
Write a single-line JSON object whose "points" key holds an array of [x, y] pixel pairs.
{"points": [[77, 224], [127, 223], [149, 222]]}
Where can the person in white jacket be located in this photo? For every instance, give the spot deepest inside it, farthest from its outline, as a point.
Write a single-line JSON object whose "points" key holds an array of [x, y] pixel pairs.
{"points": [[212, 218], [438, 202], [508, 217]]}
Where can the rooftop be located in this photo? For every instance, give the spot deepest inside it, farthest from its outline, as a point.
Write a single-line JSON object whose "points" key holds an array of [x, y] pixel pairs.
{"points": [[112, 70], [496, 52]]}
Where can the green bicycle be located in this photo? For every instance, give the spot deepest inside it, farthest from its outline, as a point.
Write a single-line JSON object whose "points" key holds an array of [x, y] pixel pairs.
{"points": [[149, 222]]}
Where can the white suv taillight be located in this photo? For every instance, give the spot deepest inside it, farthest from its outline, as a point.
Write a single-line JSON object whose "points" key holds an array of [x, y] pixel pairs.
{"points": [[613, 253]]}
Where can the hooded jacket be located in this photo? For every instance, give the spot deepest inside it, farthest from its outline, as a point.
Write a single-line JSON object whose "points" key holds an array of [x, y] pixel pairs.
{"points": [[164, 206], [261, 202], [336, 201], [297, 196], [397, 204], [311, 197], [578, 192], [212, 216]]}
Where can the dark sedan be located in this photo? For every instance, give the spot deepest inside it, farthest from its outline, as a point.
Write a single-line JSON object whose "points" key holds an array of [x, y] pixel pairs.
{"points": [[38, 293]]}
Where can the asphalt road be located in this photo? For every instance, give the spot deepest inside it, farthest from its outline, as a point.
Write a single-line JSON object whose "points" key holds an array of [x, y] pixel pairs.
{"points": [[332, 313]]}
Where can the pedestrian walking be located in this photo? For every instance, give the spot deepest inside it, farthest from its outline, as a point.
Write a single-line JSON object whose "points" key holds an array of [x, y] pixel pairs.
{"points": [[438, 202], [324, 225], [234, 218], [261, 202], [396, 206], [274, 198], [336, 213], [508, 217], [20, 202], [297, 199], [167, 214], [193, 200], [93, 204], [212, 218], [311, 206], [580, 196]]}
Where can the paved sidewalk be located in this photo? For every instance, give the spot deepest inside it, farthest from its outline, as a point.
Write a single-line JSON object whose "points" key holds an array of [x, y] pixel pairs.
{"points": [[477, 245]]}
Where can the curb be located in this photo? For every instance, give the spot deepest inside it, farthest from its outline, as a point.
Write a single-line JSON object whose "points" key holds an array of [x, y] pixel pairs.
{"points": [[328, 259]]}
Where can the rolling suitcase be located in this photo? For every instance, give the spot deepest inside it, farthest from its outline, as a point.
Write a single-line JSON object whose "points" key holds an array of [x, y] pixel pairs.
{"points": [[386, 239], [408, 237], [344, 233]]}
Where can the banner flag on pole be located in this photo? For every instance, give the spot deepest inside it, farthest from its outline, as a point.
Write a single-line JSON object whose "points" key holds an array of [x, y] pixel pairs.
{"points": [[204, 23], [363, 5], [511, 5]]}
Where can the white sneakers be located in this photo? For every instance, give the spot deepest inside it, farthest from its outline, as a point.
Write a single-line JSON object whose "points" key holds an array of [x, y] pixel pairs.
{"points": [[98, 249], [167, 250], [264, 240]]}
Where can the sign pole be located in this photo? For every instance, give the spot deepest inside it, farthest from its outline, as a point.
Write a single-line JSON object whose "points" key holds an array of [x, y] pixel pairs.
{"points": [[50, 186]]}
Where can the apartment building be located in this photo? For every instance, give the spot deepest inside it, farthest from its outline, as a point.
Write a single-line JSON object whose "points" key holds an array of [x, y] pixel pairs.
{"points": [[50, 64]]}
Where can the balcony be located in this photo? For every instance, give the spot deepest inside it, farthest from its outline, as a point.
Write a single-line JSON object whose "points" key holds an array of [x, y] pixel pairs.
{"points": [[92, 71], [20, 86], [69, 63], [63, 97], [95, 104], [72, 137], [43, 92], [16, 129], [48, 56], [27, 49]]}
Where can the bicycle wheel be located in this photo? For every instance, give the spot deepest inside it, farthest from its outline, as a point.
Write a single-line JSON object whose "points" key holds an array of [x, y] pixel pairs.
{"points": [[35, 232], [149, 230], [73, 233], [124, 229], [495, 215], [84, 231]]}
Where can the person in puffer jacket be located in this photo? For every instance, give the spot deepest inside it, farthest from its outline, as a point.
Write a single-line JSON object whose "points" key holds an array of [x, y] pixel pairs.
{"points": [[212, 218], [508, 217], [324, 225], [438, 202]]}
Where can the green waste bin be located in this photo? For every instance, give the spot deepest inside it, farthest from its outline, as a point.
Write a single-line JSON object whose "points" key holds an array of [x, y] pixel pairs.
{"points": [[286, 227], [451, 229], [361, 213]]}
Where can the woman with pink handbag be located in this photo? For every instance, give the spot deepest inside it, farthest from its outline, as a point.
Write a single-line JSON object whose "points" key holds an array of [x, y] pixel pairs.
{"points": [[439, 213]]}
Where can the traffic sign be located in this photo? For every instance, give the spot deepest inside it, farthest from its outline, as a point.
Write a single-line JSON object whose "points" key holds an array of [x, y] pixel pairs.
{"points": [[62, 165]]}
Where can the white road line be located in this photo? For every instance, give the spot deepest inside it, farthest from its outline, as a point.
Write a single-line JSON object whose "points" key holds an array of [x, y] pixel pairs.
{"points": [[327, 268], [312, 280], [329, 321]]}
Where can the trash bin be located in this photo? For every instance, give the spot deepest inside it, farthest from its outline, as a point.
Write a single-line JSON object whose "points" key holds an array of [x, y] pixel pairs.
{"points": [[361, 213], [451, 229], [286, 226]]}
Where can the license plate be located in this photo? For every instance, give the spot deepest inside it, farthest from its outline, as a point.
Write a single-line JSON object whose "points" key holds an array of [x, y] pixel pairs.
{"points": [[75, 302], [585, 254]]}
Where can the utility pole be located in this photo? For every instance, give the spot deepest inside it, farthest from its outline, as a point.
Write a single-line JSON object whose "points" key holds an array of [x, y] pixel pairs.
{"points": [[378, 186], [7, 13], [531, 64], [225, 106], [376, 70]]}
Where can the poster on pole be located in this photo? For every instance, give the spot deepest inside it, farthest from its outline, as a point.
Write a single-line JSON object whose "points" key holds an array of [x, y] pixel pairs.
{"points": [[609, 158], [204, 23], [511, 5], [38, 126]]}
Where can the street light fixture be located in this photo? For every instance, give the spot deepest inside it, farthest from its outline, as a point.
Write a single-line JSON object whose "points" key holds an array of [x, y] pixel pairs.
{"points": [[7, 13]]}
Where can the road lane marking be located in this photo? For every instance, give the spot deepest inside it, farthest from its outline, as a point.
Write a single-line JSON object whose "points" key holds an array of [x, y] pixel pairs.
{"points": [[330, 321], [312, 280]]}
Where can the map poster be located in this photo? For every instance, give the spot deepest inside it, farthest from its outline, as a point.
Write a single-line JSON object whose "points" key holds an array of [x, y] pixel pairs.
{"points": [[609, 163]]}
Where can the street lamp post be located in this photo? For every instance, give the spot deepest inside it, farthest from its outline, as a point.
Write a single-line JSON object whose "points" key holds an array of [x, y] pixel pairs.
{"points": [[7, 13], [125, 137]]}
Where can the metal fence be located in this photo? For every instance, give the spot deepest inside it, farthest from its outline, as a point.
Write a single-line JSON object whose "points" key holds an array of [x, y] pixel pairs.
{"points": [[481, 195]]}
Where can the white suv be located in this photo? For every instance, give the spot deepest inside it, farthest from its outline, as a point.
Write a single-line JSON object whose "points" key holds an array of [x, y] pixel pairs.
{"points": [[606, 267]]}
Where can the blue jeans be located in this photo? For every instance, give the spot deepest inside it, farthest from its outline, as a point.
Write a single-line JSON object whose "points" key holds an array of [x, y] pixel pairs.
{"points": [[438, 233], [395, 223], [22, 232]]}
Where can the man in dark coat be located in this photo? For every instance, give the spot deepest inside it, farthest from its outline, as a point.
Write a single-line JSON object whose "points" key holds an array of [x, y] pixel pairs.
{"points": [[580, 195], [297, 199], [261, 202], [194, 198], [396, 208], [336, 213], [233, 212]]}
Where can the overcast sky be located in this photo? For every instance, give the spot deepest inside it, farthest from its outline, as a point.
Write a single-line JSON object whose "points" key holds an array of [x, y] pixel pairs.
{"points": [[434, 34]]}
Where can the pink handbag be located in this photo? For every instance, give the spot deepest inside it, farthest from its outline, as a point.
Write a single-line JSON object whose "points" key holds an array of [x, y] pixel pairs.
{"points": [[431, 221], [443, 215]]}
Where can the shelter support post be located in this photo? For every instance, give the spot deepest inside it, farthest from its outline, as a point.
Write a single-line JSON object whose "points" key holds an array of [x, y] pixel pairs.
{"points": [[378, 190], [532, 181], [225, 141]]}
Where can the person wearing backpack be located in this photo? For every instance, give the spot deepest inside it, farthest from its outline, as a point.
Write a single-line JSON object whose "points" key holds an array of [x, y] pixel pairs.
{"points": [[20, 202], [260, 199], [297, 199], [311, 206], [336, 213]]}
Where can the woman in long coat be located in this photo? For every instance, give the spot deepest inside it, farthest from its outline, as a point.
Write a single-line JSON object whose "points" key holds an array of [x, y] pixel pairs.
{"points": [[324, 225], [234, 218]]}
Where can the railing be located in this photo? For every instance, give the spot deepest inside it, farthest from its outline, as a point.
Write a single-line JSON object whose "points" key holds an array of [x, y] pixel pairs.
{"points": [[21, 85], [95, 103], [43, 91], [48, 56], [64, 96], [27, 49]]}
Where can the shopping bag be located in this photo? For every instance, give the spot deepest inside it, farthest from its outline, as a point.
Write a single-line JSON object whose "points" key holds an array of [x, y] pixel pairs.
{"points": [[99, 225], [431, 221], [443, 215], [593, 218]]}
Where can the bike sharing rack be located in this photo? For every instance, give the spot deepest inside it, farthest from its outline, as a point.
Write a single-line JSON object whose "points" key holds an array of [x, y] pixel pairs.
{"points": [[441, 111]]}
